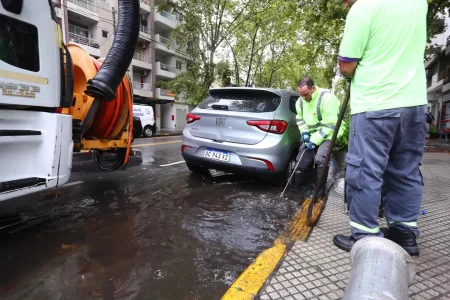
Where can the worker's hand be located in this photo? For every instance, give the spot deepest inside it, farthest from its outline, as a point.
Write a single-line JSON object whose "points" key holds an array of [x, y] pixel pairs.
{"points": [[310, 146], [305, 136]]}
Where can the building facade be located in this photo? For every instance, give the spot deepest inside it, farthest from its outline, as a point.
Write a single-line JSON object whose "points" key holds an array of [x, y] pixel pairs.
{"points": [[438, 80], [157, 58]]}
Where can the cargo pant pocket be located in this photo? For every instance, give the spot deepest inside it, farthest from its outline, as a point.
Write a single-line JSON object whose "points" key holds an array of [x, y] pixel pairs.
{"points": [[353, 172], [381, 124]]}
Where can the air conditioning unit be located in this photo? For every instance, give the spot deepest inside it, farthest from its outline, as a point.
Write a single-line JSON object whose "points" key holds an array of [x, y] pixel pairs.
{"points": [[144, 46], [144, 16]]}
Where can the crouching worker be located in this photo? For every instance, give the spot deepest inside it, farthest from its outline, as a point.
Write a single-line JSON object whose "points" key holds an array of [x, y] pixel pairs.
{"points": [[317, 115]]}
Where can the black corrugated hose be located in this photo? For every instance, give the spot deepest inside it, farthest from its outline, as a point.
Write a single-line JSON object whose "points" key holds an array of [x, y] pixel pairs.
{"points": [[104, 85]]}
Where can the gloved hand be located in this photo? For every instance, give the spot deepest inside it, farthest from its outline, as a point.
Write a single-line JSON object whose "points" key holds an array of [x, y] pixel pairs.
{"points": [[310, 145], [305, 136]]}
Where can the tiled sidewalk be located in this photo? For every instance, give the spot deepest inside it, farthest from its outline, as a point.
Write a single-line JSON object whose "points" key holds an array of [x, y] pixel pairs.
{"points": [[317, 269]]}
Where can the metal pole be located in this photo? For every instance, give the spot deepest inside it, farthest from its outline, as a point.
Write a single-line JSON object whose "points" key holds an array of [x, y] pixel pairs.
{"points": [[381, 269]]}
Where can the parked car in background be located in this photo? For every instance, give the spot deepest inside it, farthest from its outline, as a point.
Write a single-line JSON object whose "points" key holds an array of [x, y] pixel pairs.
{"points": [[250, 130], [147, 116]]}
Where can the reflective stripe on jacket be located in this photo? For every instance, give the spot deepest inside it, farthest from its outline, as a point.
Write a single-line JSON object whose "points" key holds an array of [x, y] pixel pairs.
{"points": [[318, 116]]}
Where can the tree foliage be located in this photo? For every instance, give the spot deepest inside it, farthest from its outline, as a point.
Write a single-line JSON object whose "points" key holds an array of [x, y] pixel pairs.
{"points": [[266, 43]]}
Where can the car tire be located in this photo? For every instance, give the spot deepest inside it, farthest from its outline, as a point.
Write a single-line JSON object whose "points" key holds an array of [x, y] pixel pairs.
{"points": [[148, 131], [196, 169], [284, 177]]}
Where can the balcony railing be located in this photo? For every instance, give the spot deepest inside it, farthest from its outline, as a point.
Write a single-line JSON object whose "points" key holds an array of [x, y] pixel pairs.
{"points": [[167, 42], [83, 40], [167, 68], [145, 29], [167, 15], [142, 86], [85, 4], [141, 57]]}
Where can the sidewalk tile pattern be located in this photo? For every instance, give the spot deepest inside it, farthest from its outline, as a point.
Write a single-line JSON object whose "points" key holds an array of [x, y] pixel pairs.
{"points": [[317, 269]]}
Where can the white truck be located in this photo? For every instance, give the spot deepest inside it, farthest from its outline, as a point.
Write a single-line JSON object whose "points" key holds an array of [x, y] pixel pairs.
{"points": [[37, 84], [147, 116]]}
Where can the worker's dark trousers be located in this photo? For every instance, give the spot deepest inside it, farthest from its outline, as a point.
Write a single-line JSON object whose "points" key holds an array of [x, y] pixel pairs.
{"points": [[308, 157], [385, 146]]}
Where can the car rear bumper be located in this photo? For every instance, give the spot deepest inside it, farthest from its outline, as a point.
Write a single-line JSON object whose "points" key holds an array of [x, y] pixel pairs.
{"points": [[269, 157], [231, 168]]}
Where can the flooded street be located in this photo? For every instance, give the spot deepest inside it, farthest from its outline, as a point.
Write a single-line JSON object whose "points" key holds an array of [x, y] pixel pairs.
{"points": [[154, 231]]}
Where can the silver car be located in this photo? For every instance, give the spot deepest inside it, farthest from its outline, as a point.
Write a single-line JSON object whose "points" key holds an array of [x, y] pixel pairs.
{"points": [[250, 130]]}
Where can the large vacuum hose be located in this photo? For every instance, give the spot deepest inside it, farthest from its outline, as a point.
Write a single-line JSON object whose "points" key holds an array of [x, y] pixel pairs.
{"points": [[104, 85]]}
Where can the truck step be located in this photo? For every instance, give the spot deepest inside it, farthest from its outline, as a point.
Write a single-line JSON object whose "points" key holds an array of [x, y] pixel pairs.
{"points": [[19, 132], [12, 185]]}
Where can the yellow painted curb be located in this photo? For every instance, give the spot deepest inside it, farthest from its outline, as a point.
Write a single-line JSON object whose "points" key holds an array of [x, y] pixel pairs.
{"points": [[247, 286]]}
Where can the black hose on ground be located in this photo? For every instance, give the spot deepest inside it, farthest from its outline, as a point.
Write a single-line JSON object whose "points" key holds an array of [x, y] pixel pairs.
{"points": [[104, 85]]}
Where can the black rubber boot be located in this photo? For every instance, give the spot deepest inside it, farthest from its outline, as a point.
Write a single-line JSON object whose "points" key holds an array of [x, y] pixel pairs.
{"points": [[405, 239], [344, 242]]}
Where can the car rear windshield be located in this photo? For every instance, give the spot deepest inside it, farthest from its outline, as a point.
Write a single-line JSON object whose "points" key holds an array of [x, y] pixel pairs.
{"points": [[242, 101]]}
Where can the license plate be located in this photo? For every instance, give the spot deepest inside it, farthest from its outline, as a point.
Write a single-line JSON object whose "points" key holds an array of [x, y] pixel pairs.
{"points": [[217, 155]]}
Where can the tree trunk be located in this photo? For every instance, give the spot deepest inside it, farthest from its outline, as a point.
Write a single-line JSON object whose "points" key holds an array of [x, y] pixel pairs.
{"points": [[236, 67], [251, 57]]}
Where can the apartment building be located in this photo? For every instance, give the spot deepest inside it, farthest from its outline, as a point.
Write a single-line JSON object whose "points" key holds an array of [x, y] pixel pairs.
{"points": [[157, 58], [438, 80]]}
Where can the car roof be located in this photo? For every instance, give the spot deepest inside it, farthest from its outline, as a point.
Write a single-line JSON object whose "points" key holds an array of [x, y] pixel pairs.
{"points": [[278, 92]]}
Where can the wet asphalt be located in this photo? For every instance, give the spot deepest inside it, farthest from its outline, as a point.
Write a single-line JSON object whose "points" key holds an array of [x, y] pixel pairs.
{"points": [[153, 231]]}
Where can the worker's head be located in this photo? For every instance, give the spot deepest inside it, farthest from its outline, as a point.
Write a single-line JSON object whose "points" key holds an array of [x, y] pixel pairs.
{"points": [[306, 88], [349, 3]]}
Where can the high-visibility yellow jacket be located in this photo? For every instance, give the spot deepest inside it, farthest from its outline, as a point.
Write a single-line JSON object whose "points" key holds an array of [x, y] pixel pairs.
{"points": [[318, 116]]}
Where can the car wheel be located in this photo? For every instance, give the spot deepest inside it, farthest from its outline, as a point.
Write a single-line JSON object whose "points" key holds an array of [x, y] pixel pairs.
{"points": [[284, 177], [196, 169], [148, 131]]}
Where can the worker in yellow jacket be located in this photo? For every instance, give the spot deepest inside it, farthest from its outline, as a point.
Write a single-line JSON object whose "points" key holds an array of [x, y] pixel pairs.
{"points": [[317, 114]]}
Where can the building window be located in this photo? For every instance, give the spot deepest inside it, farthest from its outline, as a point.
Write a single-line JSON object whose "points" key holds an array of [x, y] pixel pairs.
{"points": [[84, 32], [105, 34], [179, 65]]}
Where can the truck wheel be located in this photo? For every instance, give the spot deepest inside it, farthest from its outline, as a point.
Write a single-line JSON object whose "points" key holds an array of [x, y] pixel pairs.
{"points": [[148, 131]]}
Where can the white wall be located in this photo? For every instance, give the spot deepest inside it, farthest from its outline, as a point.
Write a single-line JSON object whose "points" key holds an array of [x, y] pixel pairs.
{"points": [[167, 110]]}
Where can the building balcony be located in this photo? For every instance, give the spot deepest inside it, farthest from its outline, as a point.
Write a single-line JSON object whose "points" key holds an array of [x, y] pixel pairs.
{"points": [[142, 89], [144, 34], [166, 20], [165, 94], [57, 3], [85, 11], [142, 61], [145, 5], [169, 46], [89, 45], [165, 71]]}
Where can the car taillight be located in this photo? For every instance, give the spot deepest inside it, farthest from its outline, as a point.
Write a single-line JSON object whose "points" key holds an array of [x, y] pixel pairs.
{"points": [[59, 110], [191, 118], [183, 147], [274, 126]]}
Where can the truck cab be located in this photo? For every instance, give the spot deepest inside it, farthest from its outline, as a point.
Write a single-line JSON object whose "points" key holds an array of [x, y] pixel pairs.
{"points": [[35, 138]]}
